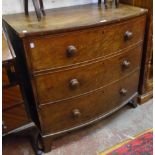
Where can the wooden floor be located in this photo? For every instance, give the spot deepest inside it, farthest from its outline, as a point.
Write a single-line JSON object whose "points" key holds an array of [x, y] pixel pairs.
{"points": [[93, 139]]}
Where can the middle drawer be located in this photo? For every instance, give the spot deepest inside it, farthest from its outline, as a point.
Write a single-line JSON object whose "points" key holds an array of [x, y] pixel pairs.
{"points": [[72, 82]]}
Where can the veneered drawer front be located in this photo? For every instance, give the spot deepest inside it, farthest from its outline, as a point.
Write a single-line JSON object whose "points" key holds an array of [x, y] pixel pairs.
{"points": [[14, 118], [70, 113], [72, 82], [11, 97], [79, 46]]}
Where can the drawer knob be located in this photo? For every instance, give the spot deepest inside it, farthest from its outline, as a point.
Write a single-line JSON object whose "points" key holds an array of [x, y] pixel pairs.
{"points": [[128, 35], [71, 50], [123, 91], [74, 83], [76, 113], [126, 63]]}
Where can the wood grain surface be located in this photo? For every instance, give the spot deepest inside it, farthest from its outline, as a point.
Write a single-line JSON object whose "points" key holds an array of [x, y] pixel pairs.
{"points": [[51, 51], [11, 97], [14, 118], [14, 114], [59, 116], [99, 76], [56, 86], [68, 18]]}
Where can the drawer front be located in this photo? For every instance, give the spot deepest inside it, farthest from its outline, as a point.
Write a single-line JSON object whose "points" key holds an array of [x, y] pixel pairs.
{"points": [[70, 113], [75, 81], [14, 118], [75, 47], [11, 97]]}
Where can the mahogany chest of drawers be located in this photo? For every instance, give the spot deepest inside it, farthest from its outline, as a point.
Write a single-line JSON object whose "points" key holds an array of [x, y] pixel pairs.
{"points": [[81, 62]]}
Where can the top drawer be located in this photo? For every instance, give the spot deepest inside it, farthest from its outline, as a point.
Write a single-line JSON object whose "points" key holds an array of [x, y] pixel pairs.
{"points": [[70, 48]]}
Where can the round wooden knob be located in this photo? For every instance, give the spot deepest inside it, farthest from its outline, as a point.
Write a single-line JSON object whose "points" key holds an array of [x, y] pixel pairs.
{"points": [[128, 35], [126, 63], [123, 91], [71, 50], [74, 83], [76, 113]]}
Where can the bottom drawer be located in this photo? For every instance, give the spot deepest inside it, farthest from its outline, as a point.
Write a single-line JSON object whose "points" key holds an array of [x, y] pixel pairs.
{"points": [[66, 114], [14, 118]]}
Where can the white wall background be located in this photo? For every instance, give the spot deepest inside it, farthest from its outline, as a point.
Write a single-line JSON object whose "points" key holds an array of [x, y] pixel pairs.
{"points": [[17, 6]]}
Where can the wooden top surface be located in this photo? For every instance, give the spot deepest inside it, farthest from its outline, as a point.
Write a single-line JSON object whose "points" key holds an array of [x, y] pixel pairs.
{"points": [[69, 18], [6, 54]]}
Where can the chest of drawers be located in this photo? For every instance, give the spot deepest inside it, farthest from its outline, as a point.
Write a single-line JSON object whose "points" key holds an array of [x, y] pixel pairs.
{"points": [[82, 63]]}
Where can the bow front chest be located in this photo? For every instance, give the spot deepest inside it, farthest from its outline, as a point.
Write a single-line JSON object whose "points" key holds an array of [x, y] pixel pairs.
{"points": [[78, 64]]}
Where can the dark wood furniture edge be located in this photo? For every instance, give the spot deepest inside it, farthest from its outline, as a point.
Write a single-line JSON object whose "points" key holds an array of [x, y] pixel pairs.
{"points": [[145, 97], [22, 71], [30, 129], [20, 129], [47, 139]]}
